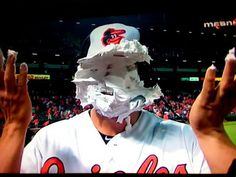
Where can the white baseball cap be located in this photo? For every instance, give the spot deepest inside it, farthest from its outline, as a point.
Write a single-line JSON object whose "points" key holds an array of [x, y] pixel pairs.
{"points": [[105, 35], [114, 49]]}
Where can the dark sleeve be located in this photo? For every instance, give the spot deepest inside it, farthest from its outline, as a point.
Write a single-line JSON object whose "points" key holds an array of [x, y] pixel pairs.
{"points": [[232, 168]]}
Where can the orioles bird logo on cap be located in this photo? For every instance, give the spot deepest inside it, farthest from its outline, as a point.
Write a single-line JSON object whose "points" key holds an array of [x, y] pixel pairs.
{"points": [[112, 36]]}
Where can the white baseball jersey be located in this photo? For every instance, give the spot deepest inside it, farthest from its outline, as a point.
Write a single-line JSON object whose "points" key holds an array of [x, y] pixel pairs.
{"points": [[150, 146]]}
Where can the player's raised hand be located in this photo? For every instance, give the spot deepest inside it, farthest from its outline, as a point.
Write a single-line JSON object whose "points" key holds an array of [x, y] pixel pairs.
{"points": [[16, 107], [215, 101], [208, 113], [15, 102]]}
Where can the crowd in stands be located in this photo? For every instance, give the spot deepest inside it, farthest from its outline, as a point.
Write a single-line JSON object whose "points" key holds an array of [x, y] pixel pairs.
{"points": [[47, 110], [51, 109], [171, 107]]}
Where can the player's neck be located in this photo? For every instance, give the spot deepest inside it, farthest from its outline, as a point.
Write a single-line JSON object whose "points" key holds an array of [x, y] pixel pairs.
{"points": [[109, 126]]}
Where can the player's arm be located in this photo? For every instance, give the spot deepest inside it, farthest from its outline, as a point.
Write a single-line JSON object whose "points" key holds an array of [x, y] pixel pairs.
{"points": [[208, 112], [17, 110]]}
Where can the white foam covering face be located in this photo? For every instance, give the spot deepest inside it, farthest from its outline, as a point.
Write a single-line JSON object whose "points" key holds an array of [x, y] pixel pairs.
{"points": [[110, 82], [114, 101]]}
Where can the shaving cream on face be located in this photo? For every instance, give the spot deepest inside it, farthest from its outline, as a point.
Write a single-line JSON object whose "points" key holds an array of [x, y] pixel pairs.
{"points": [[110, 82], [115, 96]]}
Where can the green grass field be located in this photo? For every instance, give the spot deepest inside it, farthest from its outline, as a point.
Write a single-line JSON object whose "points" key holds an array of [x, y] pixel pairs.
{"points": [[230, 128]]}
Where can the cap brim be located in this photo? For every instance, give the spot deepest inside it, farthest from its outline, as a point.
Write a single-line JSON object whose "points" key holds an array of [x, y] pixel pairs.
{"points": [[114, 60], [98, 67], [108, 58]]}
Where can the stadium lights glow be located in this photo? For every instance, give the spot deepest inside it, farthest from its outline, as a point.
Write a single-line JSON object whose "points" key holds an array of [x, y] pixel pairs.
{"points": [[37, 76], [191, 79]]}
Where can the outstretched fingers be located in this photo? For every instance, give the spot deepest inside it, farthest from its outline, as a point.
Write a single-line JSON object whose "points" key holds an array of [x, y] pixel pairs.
{"points": [[1, 70], [22, 78], [1, 60], [9, 76], [229, 70], [208, 88]]}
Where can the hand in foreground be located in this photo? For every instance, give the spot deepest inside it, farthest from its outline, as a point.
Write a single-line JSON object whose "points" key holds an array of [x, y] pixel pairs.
{"points": [[15, 102], [215, 101], [16, 107], [208, 112]]}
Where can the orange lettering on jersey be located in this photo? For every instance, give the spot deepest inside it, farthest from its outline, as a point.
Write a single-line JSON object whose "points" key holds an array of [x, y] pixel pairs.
{"points": [[96, 168], [149, 165], [162, 170], [181, 169], [151, 162], [50, 162]]}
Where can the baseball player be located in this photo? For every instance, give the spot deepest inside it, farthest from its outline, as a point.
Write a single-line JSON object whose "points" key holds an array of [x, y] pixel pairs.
{"points": [[117, 135], [94, 143]]}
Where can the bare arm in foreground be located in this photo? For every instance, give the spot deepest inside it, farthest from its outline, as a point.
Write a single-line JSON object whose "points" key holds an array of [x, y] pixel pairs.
{"points": [[208, 112], [17, 110]]}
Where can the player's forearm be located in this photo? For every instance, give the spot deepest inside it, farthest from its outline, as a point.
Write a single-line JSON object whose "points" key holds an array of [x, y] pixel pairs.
{"points": [[218, 150], [11, 147]]}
